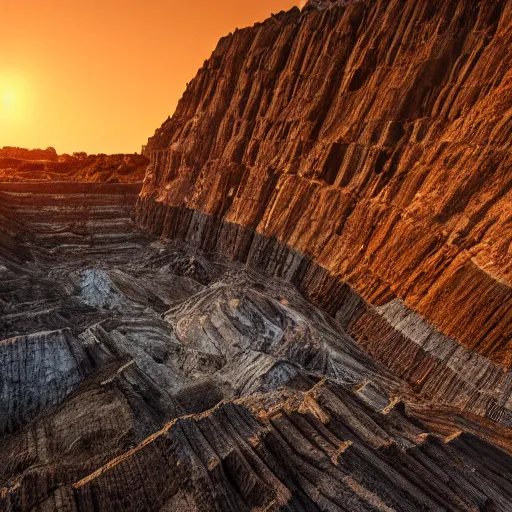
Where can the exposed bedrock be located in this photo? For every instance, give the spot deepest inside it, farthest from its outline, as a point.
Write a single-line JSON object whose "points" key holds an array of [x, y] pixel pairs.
{"points": [[437, 366], [310, 307], [370, 137], [144, 374]]}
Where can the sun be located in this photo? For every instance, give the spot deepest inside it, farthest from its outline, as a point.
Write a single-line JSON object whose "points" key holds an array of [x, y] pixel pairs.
{"points": [[12, 101], [14, 98], [8, 98]]}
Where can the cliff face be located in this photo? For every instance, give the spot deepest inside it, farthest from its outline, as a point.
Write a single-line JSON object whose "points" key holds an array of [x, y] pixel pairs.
{"points": [[370, 139], [360, 151]]}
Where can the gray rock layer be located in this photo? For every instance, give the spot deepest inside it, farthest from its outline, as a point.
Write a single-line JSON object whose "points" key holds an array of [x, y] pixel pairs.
{"points": [[140, 374]]}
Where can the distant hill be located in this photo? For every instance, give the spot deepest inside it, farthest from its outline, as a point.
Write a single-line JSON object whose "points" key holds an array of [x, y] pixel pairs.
{"points": [[29, 154], [19, 164]]}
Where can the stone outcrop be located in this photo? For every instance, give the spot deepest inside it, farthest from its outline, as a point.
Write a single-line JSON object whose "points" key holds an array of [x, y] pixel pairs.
{"points": [[306, 306], [325, 4], [361, 150]]}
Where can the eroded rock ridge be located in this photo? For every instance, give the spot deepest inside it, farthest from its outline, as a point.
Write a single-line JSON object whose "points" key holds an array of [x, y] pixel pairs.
{"points": [[362, 152]]}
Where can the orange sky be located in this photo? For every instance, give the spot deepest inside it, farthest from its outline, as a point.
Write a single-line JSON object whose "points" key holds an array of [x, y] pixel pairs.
{"points": [[102, 75]]}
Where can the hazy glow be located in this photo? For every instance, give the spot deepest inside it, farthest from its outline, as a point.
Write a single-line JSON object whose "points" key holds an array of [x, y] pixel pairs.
{"points": [[14, 93], [101, 75], [16, 107], [8, 98]]}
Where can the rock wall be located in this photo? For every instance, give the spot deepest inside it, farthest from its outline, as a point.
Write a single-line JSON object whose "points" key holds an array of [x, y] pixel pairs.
{"points": [[369, 137], [141, 374]]}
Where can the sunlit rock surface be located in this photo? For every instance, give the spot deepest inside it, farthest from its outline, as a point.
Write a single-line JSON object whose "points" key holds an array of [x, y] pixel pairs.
{"points": [[373, 138]]}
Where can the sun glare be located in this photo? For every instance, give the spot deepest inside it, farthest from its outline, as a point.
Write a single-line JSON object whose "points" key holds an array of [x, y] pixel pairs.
{"points": [[8, 98], [14, 98]]}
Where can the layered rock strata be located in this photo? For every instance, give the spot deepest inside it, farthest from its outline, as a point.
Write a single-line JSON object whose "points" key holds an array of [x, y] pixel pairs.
{"points": [[354, 155], [362, 151], [145, 375]]}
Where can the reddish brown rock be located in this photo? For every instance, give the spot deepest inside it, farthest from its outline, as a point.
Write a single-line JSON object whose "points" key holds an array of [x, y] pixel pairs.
{"points": [[35, 165], [29, 154], [373, 137], [359, 150]]}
